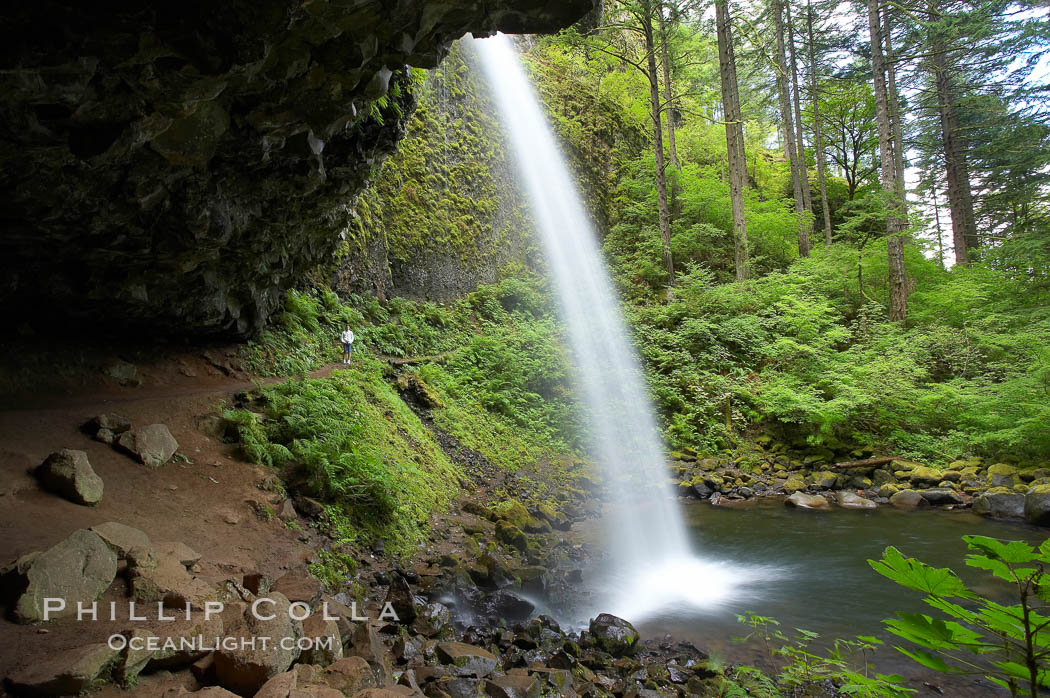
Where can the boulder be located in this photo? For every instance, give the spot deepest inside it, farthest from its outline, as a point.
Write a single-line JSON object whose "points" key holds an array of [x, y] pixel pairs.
{"points": [[432, 619], [245, 669], [164, 578], [350, 675], [69, 473], [65, 673], [327, 645], [365, 644], [614, 635], [297, 587], [852, 500], [1000, 505], [1002, 475], [118, 424], [152, 445], [513, 686], [941, 496], [907, 499], [79, 568], [180, 551], [400, 598], [801, 500], [467, 660], [824, 479], [924, 476], [121, 538], [794, 484], [510, 534], [1037, 505]]}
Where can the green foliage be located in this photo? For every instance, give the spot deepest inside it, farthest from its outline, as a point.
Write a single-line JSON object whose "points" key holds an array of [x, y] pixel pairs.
{"points": [[333, 569], [808, 353], [350, 441], [800, 668], [1007, 643]]}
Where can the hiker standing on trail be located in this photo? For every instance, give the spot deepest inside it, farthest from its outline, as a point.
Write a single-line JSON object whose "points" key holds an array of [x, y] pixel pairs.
{"points": [[347, 338]]}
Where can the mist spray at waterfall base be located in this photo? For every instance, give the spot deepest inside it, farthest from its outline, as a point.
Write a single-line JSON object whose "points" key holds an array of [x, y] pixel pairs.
{"points": [[652, 567]]}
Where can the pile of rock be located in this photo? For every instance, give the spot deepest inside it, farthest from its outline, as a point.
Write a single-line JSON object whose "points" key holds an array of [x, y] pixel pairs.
{"points": [[999, 490], [152, 445]]}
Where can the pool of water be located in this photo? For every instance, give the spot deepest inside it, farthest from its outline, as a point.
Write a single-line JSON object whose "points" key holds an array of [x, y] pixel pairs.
{"points": [[806, 569]]}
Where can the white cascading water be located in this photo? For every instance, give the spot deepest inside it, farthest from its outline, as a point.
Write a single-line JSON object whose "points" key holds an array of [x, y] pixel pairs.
{"points": [[653, 565]]}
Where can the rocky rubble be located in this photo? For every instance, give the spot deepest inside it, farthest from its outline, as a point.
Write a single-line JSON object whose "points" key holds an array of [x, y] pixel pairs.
{"points": [[998, 490]]}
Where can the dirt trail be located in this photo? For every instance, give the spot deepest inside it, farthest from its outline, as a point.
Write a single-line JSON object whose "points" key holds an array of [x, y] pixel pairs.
{"points": [[192, 502]]}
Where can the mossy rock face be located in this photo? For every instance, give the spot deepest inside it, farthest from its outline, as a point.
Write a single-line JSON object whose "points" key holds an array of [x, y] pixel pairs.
{"points": [[888, 490], [925, 476], [824, 479], [794, 484], [905, 465], [614, 635], [1003, 475], [513, 536]]}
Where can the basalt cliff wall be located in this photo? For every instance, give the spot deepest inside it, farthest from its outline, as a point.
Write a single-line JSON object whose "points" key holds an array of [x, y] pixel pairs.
{"points": [[171, 168]]}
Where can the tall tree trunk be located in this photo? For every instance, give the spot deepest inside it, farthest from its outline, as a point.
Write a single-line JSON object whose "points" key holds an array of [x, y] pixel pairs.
{"points": [[788, 127], [658, 145], [887, 172], [937, 224], [800, 142], [896, 117], [960, 199], [818, 132], [665, 54], [734, 135]]}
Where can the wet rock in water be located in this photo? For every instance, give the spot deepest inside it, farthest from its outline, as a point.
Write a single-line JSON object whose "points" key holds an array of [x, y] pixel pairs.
{"points": [[466, 660], [825, 479], [907, 499], [614, 635], [941, 496], [1000, 505], [1037, 505], [802, 500], [152, 445], [65, 673], [69, 473], [745, 492], [245, 669], [121, 538], [702, 490], [78, 569], [852, 500], [400, 598]]}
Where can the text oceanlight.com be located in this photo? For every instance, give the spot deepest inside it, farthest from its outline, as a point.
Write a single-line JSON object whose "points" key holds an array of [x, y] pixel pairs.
{"points": [[152, 643]]}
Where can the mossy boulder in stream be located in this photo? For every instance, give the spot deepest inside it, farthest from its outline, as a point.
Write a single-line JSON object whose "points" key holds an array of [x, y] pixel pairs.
{"points": [[614, 635], [1037, 505]]}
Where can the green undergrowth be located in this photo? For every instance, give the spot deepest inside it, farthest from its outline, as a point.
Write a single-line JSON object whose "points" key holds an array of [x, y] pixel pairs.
{"points": [[807, 355], [350, 442]]}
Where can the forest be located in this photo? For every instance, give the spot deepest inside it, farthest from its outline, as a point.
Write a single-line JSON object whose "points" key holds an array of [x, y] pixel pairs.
{"points": [[625, 348]]}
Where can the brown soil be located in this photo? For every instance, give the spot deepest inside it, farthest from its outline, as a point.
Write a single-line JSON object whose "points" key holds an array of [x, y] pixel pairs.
{"points": [[180, 501]]}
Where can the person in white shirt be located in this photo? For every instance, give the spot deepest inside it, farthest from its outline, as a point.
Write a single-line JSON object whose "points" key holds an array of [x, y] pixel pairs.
{"points": [[347, 338]]}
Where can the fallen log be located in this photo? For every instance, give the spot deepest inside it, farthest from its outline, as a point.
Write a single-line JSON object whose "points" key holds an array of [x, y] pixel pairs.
{"points": [[868, 463]]}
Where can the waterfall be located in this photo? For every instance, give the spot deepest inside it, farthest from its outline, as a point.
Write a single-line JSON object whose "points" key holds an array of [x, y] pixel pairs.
{"points": [[653, 566]]}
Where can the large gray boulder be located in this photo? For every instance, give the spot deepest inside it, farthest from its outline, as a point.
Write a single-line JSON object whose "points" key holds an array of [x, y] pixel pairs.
{"points": [[78, 569], [1037, 505], [152, 445], [614, 635], [941, 496], [65, 673], [1000, 505], [245, 669], [69, 473], [852, 500], [907, 499]]}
